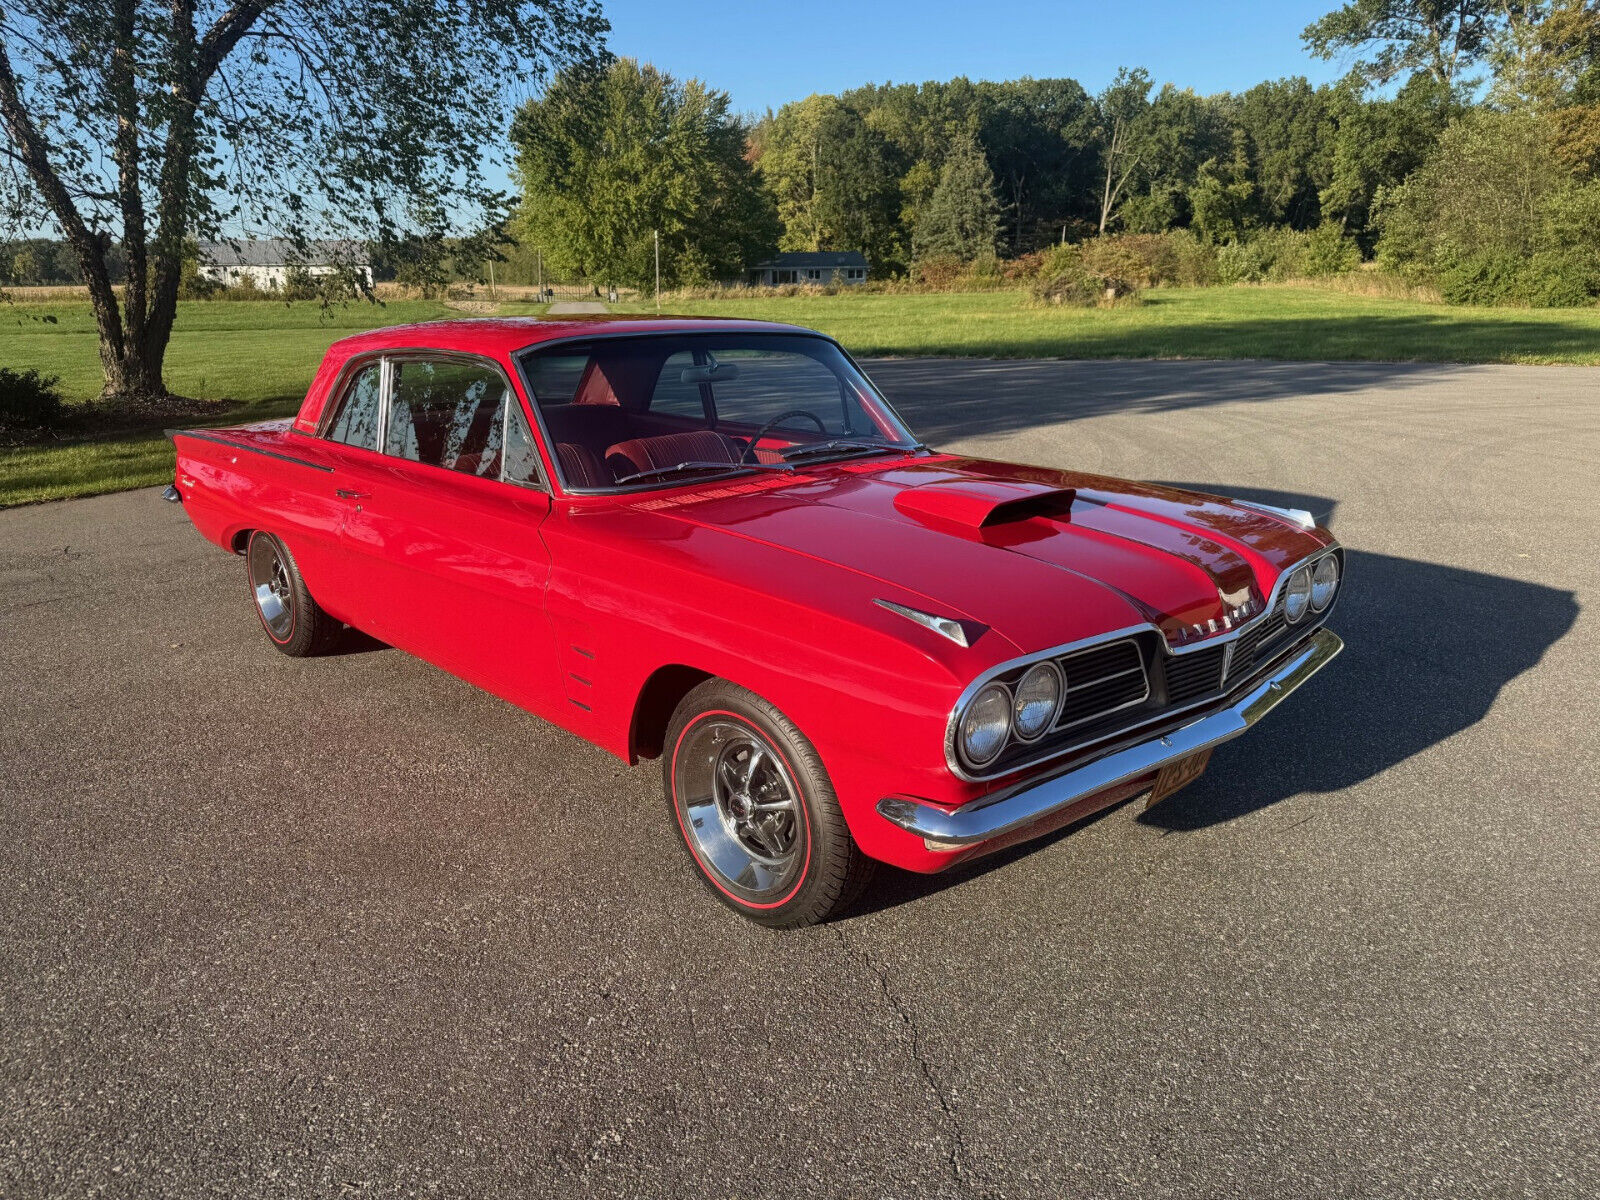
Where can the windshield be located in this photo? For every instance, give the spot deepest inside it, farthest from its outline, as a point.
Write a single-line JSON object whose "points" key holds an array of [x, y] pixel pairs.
{"points": [[664, 409]]}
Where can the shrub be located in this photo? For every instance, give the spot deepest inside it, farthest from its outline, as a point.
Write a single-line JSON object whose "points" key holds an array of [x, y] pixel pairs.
{"points": [[29, 404], [1326, 251], [1482, 277], [1153, 259], [1065, 277], [1548, 279], [1558, 279]]}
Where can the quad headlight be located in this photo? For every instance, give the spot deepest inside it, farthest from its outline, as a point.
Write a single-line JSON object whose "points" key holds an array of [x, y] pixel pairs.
{"points": [[1324, 582], [1297, 595], [986, 725], [1037, 700]]}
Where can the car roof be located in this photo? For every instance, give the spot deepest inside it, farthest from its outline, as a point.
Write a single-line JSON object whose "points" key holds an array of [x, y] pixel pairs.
{"points": [[500, 336]]}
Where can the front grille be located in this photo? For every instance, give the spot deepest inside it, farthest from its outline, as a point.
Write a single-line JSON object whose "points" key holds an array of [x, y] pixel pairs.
{"points": [[1100, 681], [1196, 673]]}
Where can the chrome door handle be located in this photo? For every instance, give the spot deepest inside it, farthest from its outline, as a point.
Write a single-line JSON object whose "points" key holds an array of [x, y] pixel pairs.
{"points": [[347, 494]]}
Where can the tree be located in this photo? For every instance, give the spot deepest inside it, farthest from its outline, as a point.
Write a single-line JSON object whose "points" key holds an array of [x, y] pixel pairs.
{"points": [[1376, 144], [609, 157], [1039, 137], [1122, 108], [1443, 38], [835, 180], [963, 218], [182, 119]]}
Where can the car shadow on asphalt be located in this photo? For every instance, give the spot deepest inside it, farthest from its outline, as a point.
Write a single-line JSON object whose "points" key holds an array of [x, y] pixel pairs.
{"points": [[1428, 649], [353, 641]]}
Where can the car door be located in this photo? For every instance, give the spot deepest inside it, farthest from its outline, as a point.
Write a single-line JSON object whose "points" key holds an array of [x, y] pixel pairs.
{"points": [[443, 524]]}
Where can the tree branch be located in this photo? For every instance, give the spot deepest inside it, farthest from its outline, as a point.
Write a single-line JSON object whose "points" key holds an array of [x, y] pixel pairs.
{"points": [[222, 37], [35, 158]]}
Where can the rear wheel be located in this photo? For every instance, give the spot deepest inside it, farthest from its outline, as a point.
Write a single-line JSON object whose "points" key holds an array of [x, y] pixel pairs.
{"points": [[756, 810], [294, 621]]}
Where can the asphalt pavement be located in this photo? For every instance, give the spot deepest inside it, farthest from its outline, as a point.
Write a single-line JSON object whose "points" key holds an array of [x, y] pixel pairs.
{"points": [[349, 927]]}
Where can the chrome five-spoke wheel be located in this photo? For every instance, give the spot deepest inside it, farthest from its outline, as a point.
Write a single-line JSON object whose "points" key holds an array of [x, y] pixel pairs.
{"points": [[740, 809], [294, 621], [757, 810], [271, 586]]}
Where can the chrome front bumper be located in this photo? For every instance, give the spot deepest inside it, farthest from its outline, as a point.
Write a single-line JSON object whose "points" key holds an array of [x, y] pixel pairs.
{"points": [[1033, 800]]}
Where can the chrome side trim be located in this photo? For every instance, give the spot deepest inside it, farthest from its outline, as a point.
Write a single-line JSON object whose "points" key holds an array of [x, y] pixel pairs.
{"points": [[951, 755], [249, 449], [1024, 803], [945, 627]]}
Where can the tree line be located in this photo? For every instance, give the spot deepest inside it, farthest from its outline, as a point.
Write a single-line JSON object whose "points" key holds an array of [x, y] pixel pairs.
{"points": [[617, 153]]}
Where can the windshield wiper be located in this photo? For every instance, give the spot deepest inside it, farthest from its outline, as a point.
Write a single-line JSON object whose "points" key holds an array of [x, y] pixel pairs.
{"points": [[806, 450], [701, 466]]}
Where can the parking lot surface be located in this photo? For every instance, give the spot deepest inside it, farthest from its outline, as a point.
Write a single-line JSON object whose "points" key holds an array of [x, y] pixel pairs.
{"points": [[347, 926]]}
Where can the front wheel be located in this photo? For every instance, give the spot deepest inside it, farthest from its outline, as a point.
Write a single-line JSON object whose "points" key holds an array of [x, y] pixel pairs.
{"points": [[758, 815]]}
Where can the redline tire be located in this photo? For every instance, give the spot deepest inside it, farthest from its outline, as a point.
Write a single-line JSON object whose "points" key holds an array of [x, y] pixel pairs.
{"points": [[293, 622], [756, 811]]}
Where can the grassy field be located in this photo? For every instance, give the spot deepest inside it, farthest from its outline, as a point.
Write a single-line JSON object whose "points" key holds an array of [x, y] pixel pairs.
{"points": [[262, 354], [1288, 322]]}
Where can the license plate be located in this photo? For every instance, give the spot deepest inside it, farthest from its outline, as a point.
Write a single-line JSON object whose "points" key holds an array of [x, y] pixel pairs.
{"points": [[1177, 775]]}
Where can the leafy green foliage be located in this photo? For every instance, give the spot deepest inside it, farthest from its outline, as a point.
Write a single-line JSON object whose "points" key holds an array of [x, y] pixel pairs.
{"points": [[30, 404], [1443, 38], [1496, 218], [608, 157]]}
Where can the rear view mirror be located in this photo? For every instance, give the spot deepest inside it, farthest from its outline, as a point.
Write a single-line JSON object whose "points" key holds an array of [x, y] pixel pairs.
{"points": [[710, 373]]}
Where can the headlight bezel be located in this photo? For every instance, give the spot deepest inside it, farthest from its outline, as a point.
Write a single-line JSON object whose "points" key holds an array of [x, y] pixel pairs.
{"points": [[1290, 592], [1330, 561], [1046, 668], [994, 687]]}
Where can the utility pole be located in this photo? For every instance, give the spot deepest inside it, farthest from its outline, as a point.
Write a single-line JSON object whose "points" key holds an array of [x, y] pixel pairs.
{"points": [[491, 279], [656, 233], [538, 258]]}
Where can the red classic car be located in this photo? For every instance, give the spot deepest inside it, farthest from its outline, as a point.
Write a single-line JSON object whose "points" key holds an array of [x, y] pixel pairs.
{"points": [[714, 543]]}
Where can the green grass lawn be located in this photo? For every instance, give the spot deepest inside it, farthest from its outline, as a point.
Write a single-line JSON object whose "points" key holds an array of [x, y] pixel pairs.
{"points": [[1295, 322], [262, 354]]}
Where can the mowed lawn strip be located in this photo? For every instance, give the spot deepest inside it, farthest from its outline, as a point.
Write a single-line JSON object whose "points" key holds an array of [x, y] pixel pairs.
{"points": [[262, 354], [1303, 323], [259, 354]]}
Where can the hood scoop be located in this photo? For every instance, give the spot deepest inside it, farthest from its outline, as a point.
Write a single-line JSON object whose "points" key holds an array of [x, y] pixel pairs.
{"points": [[984, 503]]}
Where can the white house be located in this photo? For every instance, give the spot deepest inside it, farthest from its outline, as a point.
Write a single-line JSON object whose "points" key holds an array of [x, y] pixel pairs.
{"points": [[818, 267], [268, 261]]}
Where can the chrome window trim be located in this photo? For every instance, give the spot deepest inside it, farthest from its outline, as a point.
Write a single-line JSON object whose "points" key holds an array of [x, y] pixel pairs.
{"points": [[952, 754], [548, 443], [386, 360]]}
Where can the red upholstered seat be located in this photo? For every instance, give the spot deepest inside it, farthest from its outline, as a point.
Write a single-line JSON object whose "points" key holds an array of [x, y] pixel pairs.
{"points": [[579, 466], [643, 454]]}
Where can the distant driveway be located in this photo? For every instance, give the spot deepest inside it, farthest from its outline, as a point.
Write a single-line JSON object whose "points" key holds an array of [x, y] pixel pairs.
{"points": [[349, 927]]}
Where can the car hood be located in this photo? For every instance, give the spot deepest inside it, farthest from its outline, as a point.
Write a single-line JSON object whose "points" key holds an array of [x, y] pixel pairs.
{"points": [[1039, 557]]}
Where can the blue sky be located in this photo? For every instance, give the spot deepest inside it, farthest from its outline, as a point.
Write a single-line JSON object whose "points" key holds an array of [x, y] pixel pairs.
{"points": [[764, 53]]}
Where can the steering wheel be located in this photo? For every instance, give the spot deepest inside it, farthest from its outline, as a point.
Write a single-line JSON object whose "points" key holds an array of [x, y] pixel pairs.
{"points": [[749, 455]]}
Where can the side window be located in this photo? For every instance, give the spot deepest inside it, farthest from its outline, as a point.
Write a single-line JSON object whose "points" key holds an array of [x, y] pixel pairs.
{"points": [[357, 422], [672, 396], [447, 414]]}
